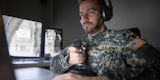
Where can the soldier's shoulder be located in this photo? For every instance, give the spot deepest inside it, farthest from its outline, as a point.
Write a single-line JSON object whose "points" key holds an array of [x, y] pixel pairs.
{"points": [[116, 32], [120, 34]]}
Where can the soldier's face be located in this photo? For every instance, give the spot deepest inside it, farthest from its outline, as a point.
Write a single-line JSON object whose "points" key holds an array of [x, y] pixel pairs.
{"points": [[90, 15]]}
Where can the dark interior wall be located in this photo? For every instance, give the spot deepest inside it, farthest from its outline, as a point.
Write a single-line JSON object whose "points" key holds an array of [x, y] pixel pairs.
{"points": [[67, 18], [144, 14], [38, 10], [52, 13]]}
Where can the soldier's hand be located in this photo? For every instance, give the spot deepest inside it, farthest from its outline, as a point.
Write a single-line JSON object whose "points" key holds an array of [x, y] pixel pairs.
{"points": [[75, 57], [72, 76]]}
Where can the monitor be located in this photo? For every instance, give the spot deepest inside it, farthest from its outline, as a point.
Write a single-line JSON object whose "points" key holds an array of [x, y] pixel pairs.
{"points": [[23, 36], [53, 41]]}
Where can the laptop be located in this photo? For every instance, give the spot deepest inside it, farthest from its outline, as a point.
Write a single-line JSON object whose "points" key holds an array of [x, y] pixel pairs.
{"points": [[9, 72], [6, 67]]}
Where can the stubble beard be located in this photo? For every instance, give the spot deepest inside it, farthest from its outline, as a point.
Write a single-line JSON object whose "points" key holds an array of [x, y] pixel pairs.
{"points": [[90, 28]]}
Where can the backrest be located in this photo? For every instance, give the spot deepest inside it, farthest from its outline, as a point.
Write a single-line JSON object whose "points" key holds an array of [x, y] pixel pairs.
{"points": [[135, 30]]}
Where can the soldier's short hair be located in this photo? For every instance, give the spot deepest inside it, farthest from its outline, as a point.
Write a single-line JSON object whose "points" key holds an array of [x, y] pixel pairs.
{"points": [[100, 3]]}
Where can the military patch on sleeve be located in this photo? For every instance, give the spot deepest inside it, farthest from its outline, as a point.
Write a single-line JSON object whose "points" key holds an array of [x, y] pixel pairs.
{"points": [[136, 44]]}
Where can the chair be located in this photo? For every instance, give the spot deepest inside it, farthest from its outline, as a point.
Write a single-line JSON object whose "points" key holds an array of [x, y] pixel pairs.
{"points": [[135, 30]]}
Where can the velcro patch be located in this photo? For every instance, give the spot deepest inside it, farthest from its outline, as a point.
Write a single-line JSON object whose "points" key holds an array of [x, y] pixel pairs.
{"points": [[110, 48], [136, 44]]}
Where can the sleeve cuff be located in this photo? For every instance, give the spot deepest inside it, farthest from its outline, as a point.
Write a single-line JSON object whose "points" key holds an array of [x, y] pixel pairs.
{"points": [[66, 64], [104, 78]]}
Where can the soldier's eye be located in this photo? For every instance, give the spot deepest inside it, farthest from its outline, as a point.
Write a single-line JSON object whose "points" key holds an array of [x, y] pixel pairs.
{"points": [[91, 12]]}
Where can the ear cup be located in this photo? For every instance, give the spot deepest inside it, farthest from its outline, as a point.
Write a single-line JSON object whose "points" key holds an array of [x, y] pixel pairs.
{"points": [[107, 12]]}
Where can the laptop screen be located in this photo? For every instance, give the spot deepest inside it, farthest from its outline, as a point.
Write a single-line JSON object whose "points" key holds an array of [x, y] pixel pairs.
{"points": [[23, 36], [6, 68]]}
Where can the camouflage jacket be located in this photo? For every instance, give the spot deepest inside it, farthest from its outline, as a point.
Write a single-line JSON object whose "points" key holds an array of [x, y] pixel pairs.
{"points": [[117, 55]]}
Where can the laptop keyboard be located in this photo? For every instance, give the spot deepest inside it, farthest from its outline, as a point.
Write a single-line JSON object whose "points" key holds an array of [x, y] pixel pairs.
{"points": [[30, 60]]}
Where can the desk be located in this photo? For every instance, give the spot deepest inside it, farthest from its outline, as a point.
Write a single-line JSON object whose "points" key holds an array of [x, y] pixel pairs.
{"points": [[23, 64], [33, 73]]}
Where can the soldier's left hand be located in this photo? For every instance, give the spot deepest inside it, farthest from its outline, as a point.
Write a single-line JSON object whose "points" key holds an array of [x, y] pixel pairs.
{"points": [[72, 76], [75, 57]]}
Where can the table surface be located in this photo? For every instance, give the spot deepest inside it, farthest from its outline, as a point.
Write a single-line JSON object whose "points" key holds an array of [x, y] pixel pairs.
{"points": [[34, 73], [22, 64]]}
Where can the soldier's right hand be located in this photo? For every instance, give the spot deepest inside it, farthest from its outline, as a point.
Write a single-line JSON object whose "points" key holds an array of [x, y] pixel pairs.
{"points": [[74, 56]]}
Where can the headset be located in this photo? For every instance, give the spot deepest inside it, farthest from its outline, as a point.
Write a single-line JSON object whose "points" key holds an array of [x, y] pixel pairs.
{"points": [[107, 10]]}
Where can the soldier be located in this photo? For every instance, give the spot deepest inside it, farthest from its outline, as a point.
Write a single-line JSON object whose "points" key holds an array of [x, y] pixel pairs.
{"points": [[109, 54]]}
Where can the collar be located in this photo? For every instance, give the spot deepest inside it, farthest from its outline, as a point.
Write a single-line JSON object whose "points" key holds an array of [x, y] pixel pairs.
{"points": [[98, 36]]}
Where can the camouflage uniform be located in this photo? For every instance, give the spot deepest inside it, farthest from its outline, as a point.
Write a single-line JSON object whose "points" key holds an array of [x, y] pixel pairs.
{"points": [[115, 55]]}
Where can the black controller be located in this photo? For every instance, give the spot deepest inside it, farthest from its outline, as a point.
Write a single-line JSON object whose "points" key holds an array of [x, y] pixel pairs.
{"points": [[81, 68]]}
